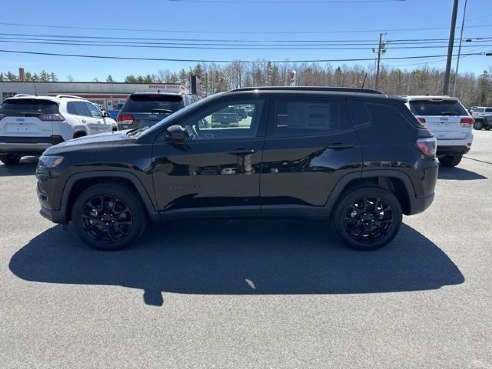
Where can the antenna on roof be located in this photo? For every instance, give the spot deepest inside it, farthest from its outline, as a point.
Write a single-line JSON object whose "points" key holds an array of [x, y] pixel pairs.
{"points": [[35, 92]]}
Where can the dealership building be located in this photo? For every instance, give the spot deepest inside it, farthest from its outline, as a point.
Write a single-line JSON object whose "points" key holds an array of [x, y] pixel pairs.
{"points": [[106, 94]]}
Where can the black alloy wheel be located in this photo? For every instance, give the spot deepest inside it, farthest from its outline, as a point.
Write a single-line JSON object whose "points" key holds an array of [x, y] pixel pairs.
{"points": [[368, 217], [108, 216], [478, 125]]}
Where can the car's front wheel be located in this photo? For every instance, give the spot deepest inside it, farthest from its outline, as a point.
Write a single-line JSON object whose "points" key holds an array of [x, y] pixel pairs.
{"points": [[450, 161], [367, 217], [108, 216], [9, 159]]}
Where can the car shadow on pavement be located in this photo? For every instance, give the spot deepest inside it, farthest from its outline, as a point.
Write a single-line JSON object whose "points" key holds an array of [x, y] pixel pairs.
{"points": [[457, 173], [241, 257], [26, 167]]}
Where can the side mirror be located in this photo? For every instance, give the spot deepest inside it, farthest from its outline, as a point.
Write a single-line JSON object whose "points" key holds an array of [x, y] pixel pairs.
{"points": [[177, 133]]}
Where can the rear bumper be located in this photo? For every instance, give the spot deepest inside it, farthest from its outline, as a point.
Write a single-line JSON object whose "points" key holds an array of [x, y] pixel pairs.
{"points": [[26, 145], [452, 150], [420, 203]]}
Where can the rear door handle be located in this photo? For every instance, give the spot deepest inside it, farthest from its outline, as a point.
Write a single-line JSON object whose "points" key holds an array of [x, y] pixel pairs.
{"points": [[339, 146], [242, 152]]}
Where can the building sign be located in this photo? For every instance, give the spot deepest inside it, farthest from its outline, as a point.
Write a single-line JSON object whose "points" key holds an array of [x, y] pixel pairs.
{"points": [[168, 87]]}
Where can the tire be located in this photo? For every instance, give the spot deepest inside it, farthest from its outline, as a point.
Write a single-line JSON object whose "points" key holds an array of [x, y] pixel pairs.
{"points": [[108, 216], [450, 161], [478, 125], [367, 217], [10, 159]]}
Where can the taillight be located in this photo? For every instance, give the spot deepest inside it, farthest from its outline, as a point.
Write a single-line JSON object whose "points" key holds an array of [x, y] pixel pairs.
{"points": [[467, 122], [124, 117], [427, 146], [421, 120], [55, 117]]}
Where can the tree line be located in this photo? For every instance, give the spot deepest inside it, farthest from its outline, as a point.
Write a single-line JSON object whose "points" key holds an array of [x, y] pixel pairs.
{"points": [[469, 88]]}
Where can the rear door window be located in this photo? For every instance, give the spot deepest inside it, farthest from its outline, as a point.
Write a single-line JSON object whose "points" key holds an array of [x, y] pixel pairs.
{"points": [[309, 117], [78, 108]]}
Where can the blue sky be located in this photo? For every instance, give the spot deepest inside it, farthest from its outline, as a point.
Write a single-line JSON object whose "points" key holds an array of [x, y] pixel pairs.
{"points": [[221, 30]]}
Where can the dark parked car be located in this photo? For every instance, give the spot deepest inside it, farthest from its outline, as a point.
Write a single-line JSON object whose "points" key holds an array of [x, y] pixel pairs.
{"points": [[227, 117], [355, 157], [143, 109]]}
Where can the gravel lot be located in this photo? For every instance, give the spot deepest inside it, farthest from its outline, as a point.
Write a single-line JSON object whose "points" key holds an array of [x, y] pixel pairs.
{"points": [[252, 294]]}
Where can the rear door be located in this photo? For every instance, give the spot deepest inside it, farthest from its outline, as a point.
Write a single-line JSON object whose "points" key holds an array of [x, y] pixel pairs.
{"points": [[310, 146], [442, 117], [27, 117], [81, 112]]}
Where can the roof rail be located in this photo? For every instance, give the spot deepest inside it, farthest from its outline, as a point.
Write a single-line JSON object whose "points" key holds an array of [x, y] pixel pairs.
{"points": [[312, 88], [21, 95], [68, 97]]}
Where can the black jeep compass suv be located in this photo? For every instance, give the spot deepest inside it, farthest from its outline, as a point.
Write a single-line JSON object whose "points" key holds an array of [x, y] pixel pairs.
{"points": [[354, 157]]}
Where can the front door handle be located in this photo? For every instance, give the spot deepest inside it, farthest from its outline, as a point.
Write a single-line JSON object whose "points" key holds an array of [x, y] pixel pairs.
{"points": [[242, 152], [339, 146]]}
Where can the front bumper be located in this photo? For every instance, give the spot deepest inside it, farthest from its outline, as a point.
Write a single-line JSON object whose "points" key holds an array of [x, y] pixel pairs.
{"points": [[54, 215]]}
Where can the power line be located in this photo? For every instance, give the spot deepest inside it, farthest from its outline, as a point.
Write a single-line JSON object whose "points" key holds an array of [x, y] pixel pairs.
{"points": [[262, 2], [234, 32], [222, 61], [246, 44]]}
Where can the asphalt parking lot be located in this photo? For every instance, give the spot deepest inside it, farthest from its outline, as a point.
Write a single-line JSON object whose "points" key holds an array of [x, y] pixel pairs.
{"points": [[252, 294]]}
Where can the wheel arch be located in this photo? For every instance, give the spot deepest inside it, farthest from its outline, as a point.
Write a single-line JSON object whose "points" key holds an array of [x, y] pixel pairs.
{"points": [[77, 183], [79, 133], [396, 182]]}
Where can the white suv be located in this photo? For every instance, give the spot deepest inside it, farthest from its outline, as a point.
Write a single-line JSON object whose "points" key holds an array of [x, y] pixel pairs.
{"points": [[450, 123], [482, 116], [30, 124]]}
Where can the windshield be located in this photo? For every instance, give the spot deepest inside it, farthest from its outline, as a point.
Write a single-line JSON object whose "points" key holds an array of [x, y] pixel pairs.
{"points": [[28, 107], [437, 107], [142, 103]]}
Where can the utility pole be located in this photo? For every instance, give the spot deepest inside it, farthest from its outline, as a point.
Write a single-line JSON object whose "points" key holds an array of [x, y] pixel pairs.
{"points": [[459, 50], [381, 49], [450, 49]]}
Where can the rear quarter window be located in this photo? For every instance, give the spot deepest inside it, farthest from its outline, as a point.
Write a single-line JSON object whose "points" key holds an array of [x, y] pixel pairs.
{"points": [[382, 121]]}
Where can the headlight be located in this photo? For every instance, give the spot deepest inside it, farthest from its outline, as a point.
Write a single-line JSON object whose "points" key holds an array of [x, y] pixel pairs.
{"points": [[50, 161]]}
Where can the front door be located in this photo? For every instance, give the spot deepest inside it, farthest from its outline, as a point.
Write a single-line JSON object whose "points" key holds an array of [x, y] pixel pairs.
{"points": [[217, 168]]}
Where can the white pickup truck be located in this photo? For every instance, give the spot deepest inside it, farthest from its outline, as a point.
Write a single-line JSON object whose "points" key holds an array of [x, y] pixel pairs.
{"points": [[482, 116]]}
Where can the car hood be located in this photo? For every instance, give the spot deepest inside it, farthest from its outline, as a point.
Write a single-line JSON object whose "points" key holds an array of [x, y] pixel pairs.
{"points": [[108, 139]]}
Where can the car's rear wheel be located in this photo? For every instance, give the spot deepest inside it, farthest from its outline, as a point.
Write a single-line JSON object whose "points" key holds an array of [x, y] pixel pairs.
{"points": [[9, 159], [450, 160], [367, 218], [478, 125], [108, 216]]}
